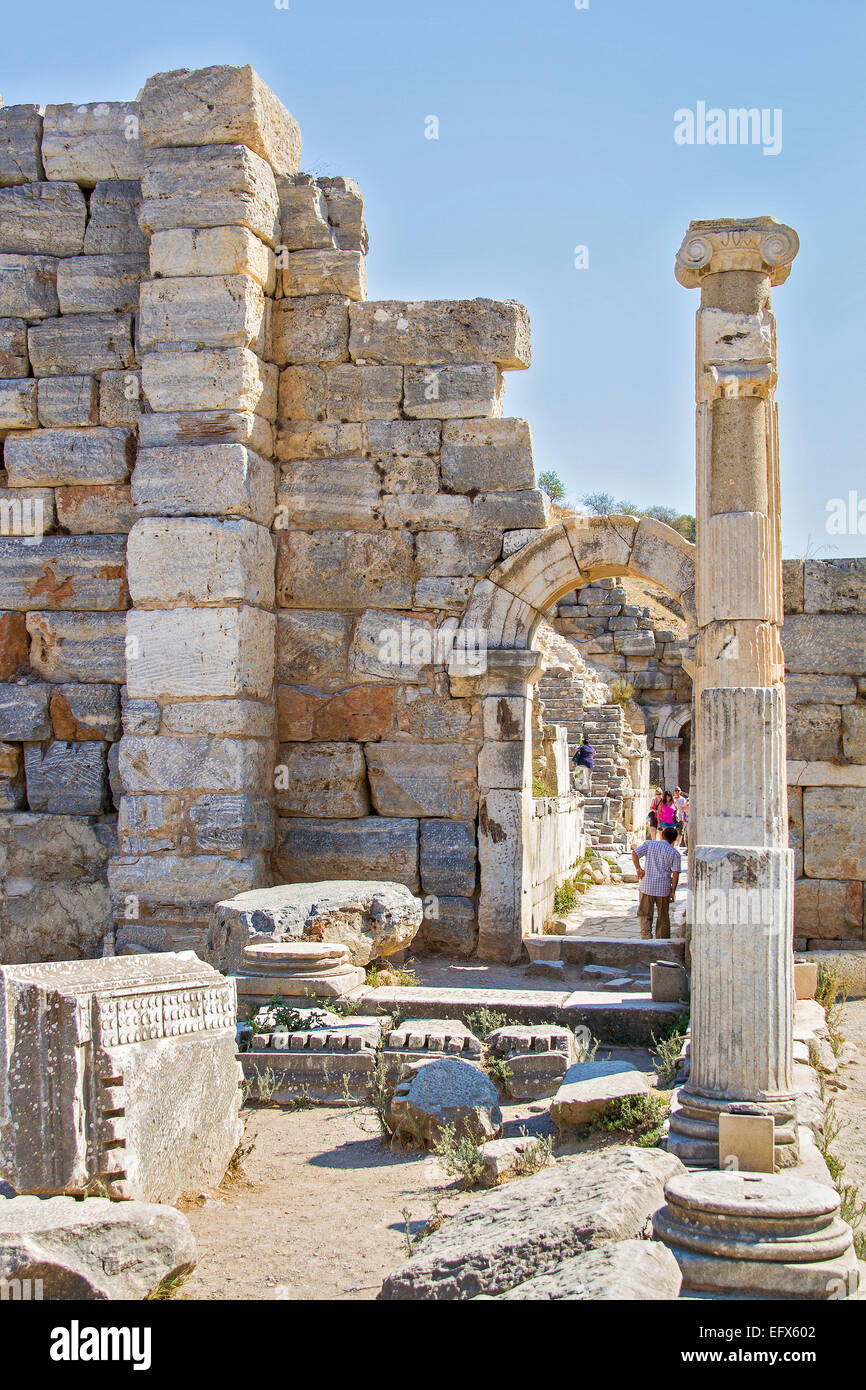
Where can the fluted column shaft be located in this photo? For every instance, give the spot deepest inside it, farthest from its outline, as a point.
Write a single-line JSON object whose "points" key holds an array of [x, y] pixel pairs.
{"points": [[742, 961]]}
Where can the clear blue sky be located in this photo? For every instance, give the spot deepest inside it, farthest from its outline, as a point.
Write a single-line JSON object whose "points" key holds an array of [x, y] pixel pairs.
{"points": [[556, 129]]}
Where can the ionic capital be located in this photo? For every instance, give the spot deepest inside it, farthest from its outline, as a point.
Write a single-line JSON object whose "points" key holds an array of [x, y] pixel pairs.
{"points": [[758, 243]]}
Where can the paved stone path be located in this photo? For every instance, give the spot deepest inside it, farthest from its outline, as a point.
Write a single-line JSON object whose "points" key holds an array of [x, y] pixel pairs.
{"points": [[610, 909]]}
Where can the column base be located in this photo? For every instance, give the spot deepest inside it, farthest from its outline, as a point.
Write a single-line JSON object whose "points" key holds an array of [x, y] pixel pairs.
{"points": [[694, 1127]]}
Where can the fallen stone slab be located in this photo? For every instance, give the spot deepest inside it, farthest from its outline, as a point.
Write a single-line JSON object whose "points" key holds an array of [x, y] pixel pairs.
{"points": [[636, 1270], [445, 1091], [518, 1232], [373, 919], [95, 1249], [508, 1158], [537, 1058], [430, 1035], [588, 1087]]}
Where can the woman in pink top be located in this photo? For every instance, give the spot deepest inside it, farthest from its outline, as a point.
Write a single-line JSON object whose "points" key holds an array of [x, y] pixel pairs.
{"points": [[667, 811]]}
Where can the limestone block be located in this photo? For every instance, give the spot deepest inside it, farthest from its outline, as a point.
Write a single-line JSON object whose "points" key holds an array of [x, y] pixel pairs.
{"points": [[167, 764], [311, 328], [824, 643], [220, 105], [502, 1239], [81, 713], [119, 398], [428, 716], [159, 1048], [214, 251], [502, 765], [313, 649], [436, 509], [500, 820], [386, 440], [189, 561], [814, 731], [220, 311], [513, 541], [49, 458], [14, 361], [323, 779], [17, 406], [303, 215], [47, 219], [87, 143], [96, 1249], [835, 586], [361, 711], [444, 553], [453, 392], [450, 927], [206, 427], [373, 919], [27, 512], [212, 379], [324, 272], [345, 212], [200, 652], [158, 898], [815, 689], [441, 332], [449, 595], [101, 510], [391, 646], [68, 400], [230, 718], [80, 344], [448, 857], [373, 847], [588, 1087], [854, 733], [216, 185], [13, 645], [207, 479], [68, 779], [28, 287], [835, 832], [826, 909], [81, 572], [519, 509], [362, 393], [112, 227], [342, 493], [20, 145], [100, 284], [411, 779], [344, 569], [24, 712], [487, 455], [444, 1091], [78, 646], [213, 824]]}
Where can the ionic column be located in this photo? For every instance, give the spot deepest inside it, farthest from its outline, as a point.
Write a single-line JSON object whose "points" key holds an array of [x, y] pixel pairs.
{"points": [[742, 962]]}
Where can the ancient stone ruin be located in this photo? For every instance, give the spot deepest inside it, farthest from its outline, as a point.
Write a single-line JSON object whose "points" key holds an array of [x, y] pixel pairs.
{"points": [[294, 657]]}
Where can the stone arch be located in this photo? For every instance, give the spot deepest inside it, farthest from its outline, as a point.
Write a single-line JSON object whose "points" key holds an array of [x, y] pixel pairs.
{"points": [[509, 603], [505, 608], [668, 737]]}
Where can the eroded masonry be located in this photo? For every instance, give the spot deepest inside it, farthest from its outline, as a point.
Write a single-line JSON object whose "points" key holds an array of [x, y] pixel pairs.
{"points": [[275, 573]]}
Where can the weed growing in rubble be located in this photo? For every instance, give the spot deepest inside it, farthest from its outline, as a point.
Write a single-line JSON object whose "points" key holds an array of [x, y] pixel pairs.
{"points": [[483, 1021], [260, 1088], [565, 898], [621, 691], [390, 976], [537, 1155], [832, 995], [459, 1156], [497, 1069]]}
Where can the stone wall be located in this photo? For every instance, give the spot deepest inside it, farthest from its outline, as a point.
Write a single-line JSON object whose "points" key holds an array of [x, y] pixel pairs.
{"points": [[824, 640]]}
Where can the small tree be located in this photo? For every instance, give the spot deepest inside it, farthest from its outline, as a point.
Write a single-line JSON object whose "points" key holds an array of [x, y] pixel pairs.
{"points": [[552, 484], [599, 503]]}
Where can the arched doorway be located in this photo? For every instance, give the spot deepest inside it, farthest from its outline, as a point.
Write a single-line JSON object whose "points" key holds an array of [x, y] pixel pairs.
{"points": [[507, 607]]}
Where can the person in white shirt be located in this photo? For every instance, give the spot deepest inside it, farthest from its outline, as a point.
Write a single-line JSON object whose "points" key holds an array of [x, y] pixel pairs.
{"points": [[682, 804]]}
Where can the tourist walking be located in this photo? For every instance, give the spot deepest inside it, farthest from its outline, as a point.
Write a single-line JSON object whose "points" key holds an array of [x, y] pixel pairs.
{"points": [[667, 811], [652, 819], [681, 803], [658, 882], [584, 762]]}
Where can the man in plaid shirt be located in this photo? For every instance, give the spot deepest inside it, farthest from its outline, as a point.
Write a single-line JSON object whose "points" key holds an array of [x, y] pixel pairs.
{"points": [[658, 881]]}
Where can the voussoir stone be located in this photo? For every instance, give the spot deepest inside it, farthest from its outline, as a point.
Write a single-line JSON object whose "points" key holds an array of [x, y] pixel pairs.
{"points": [[373, 919], [636, 1270], [95, 1249], [519, 1232], [447, 1091]]}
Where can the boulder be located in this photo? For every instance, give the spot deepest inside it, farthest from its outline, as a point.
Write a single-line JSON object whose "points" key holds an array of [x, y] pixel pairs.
{"points": [[504, 1159], [373, 919], [635, 1270], [447, 1091], [588, 1087], [516, 1233], [93, 1249]]}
